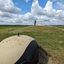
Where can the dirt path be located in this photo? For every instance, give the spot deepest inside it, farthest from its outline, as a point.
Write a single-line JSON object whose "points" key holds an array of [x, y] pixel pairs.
{"points": [[53, 61]]}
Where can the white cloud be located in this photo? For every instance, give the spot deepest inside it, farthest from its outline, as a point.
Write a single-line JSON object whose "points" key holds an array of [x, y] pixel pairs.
{"points": [[47, 15], [8, 11], [56, 0], [36, 9], [48, 7], [60, 5], [8, 6], [1, 13]]}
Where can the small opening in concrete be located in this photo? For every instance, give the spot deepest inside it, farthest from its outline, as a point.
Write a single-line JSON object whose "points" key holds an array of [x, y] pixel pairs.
{"points": [[18, 34], [34, 54]]}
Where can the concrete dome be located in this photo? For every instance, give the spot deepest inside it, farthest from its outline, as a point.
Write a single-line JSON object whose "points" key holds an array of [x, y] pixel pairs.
{"points": [[12, 48]]}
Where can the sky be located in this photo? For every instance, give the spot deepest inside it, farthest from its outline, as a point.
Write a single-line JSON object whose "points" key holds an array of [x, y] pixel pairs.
{"points": [[25, 12], [25, 5]]}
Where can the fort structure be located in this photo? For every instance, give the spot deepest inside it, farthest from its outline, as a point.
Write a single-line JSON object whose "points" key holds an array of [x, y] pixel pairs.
{"points": [[18, 49]]}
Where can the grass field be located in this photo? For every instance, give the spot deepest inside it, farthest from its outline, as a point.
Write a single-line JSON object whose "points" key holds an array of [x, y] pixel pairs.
{"points": [[51, 38]]}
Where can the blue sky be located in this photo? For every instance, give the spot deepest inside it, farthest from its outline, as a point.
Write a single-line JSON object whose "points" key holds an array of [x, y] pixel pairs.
{"points": [[23, 5], [26, 11], [26, 6]]}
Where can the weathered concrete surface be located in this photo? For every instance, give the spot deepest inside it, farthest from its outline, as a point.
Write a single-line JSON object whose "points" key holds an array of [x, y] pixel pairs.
{"points": [[12, 48]]}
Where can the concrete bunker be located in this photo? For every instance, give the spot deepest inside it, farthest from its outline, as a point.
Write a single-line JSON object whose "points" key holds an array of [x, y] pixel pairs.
{"points": [[19, 50]]}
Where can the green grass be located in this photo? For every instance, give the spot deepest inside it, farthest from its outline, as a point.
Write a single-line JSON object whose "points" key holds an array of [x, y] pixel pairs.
{"points": [[51, 38]]}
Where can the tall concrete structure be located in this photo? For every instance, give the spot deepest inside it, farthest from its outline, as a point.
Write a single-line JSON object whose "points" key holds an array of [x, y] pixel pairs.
{"points": [[19, 50]]}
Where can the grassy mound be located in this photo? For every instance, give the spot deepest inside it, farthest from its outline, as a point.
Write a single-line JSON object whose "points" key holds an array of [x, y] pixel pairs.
{"points": [[51, 38]]}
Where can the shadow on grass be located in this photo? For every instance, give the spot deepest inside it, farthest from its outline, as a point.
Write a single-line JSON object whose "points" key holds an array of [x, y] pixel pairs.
{"points": [[43, 56]]}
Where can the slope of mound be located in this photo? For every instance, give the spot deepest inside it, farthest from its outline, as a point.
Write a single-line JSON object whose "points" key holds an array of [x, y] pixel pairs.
{"points": [[51, 38]]}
